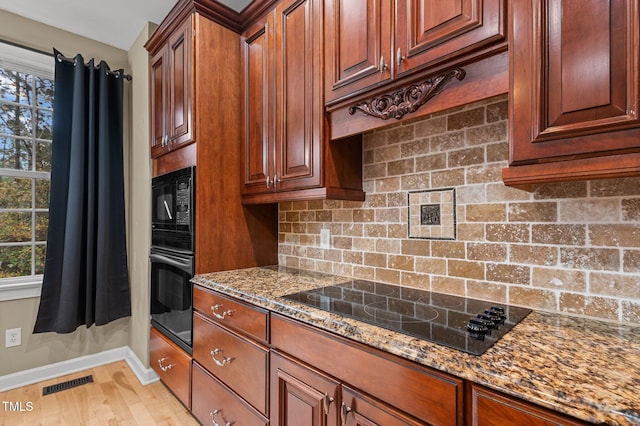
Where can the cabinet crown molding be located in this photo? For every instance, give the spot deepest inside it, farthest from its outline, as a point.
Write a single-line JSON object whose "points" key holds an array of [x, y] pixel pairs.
{"points": [[217, 12]]}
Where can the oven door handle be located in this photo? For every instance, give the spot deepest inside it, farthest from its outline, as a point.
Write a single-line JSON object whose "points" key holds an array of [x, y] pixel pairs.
{"points": [[183, 264]]}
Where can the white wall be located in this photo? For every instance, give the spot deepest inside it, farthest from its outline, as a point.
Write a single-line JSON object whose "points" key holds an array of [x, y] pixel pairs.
{"points": [[139, 196]]}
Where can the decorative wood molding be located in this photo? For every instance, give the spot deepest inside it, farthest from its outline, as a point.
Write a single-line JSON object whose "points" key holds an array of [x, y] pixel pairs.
{"points": [[408, 99], [217, 12]]}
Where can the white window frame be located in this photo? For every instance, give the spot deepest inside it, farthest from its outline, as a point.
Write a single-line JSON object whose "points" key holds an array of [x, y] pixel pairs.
{"points": [[40, 64]]}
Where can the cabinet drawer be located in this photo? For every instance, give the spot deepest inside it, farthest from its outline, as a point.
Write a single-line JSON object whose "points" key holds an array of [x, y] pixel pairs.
{"points": [[359, 409], [172, 364], [233, 314], [491, 408], [427, 394], [213, 402], [237, 362]]}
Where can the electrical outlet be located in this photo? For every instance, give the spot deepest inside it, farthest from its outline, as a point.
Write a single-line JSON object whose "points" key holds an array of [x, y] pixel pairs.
{"points": [[13, 337], [325, 238]]}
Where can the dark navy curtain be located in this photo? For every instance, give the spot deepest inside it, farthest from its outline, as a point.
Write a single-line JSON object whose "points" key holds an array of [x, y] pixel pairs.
{"points": [[85, 275]]}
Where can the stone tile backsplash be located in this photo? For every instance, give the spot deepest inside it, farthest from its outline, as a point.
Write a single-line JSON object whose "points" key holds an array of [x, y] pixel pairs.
{"points": [[568, 247]]}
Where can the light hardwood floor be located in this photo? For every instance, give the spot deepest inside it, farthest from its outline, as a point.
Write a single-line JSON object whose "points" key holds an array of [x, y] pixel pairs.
{"points": [[115, 397]]}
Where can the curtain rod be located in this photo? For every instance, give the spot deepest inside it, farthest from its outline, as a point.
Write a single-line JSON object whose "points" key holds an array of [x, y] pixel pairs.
{"points": [[61, 58]]}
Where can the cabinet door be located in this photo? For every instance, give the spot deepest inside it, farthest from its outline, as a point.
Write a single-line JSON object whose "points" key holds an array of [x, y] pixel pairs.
{"points": [[158, 103], [575, 79], [358, 409], [181, 85], [258, 147], [358, 45], [490, 408], [429, 32], [299, 97], [301, 396]]}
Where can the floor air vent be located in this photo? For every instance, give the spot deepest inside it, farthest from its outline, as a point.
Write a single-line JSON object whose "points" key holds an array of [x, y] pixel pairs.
{"points": [[67, 385]]}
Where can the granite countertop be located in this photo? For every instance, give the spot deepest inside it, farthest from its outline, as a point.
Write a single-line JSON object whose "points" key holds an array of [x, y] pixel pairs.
{"points": [[584, 368]]}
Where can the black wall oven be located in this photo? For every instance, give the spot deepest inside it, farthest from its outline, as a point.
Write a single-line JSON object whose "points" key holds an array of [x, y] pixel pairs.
{"points": [[172, 255], [172, 207]]}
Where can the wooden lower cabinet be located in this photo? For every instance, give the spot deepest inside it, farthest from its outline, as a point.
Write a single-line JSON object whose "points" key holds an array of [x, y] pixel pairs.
{"points": [[301, 396], [358, 409], [490, 408], [422, 393], [172, 364], [239, 363], [303, 376], [246, 319], [214, 403]]}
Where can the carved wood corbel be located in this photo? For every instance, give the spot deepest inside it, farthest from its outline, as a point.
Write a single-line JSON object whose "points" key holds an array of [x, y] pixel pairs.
{"points": [[408, 99]]}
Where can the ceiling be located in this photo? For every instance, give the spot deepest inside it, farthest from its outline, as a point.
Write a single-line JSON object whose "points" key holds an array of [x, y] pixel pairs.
{"points": [[114, 22]]}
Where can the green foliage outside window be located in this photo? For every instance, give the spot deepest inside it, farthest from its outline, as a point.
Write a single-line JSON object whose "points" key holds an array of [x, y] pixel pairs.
{"points": [[26, 113]]}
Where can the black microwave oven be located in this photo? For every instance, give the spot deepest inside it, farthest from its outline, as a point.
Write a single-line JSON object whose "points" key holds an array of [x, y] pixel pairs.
{"points": [[172, 210]]}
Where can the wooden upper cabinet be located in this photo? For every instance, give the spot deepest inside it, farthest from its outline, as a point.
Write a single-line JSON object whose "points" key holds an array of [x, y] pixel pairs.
{"points": [[158, 100], [368, 44], [283, 102], [181, 85], [299, 107], [575, 90], [358, 45], [286, 153], [429, 32], [259, 144], [171, 92]]}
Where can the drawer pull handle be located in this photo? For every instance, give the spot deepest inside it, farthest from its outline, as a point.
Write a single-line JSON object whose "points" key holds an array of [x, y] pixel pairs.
{"points": [[163, 367], [345, 410], [220, 363], [327, 400], [213, 415], [221, 315]]}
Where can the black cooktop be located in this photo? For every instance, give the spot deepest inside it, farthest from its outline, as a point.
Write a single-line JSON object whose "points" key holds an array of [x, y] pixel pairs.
{"points": [[469, 325]]}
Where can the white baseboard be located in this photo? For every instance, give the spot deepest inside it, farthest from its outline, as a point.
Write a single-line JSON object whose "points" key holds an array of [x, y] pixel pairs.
{"points": [[51, 371], [145, 375]]}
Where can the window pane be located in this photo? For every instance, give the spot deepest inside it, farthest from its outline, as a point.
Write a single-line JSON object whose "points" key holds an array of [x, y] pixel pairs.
{"points": [[43, 156], [16, 227], [43, 130], [44, 92], [15, 87], [15, 193], [42, 220], [15, 261], [42, 193], [15, 120], [41, 251], [15, 154], [26, 116]]}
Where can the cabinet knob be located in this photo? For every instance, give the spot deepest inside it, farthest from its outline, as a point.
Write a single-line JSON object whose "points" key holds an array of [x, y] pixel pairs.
{"points": [[276, 181], [383, 65], [213, 415], [269, 182], [220, 362], [399, 57]]}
